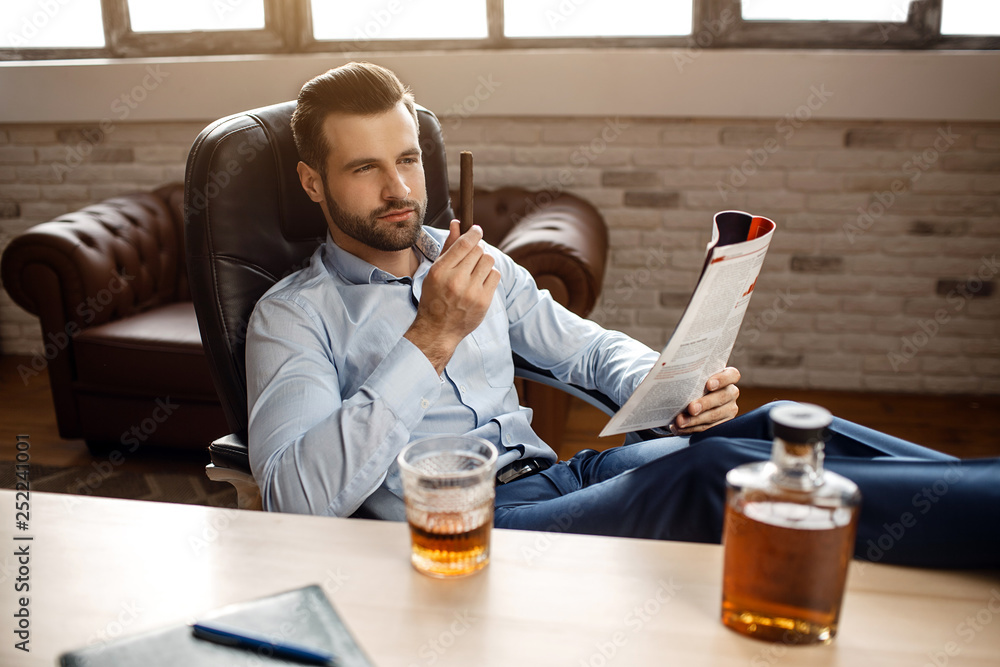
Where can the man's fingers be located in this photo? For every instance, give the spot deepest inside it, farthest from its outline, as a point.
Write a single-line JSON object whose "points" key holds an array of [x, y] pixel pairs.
{"points": [[686, 424], [483, 264], [490, 282], [727, 394], [454, 231], [462, 246], [726, 376]]}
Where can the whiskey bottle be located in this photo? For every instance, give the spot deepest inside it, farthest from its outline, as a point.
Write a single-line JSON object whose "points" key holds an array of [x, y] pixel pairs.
{"points": [[788, 535]]}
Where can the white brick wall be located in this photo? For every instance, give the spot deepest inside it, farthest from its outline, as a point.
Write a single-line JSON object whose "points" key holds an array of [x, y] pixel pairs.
{"points": [[878, 223]]}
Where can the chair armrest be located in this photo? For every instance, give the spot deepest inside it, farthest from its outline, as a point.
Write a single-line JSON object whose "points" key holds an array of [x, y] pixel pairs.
{"points": [[527, 371], [247, 491], [231, 460], [99, 263], [230, 451]]}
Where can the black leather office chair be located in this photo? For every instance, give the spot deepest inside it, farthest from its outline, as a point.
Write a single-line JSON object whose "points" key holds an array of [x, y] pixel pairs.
{"points": [[248, 223]]}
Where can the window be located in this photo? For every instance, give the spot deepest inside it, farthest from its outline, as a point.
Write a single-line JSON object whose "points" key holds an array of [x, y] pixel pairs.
{"points": [[33, 25], [970, 17], [195, 15], [845, 10], [864, 24], [366, 20], [596, 18], [39, 29]]}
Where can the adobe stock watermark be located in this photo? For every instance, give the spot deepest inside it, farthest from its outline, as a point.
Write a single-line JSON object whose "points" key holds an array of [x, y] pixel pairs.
{"points": [[898, 19], [929, 328], [218, 180], [705, 37], [35, 22], [923, 502], [562, 12], [121, 107], [127, 615], [785, 127], [87, 310], [581, 158], [634, 622], [373, 28], [967, 630], [459, 111], [775, 651], [211, 530], [912, 170], [759, 324], [626, 286], [543, 540], [432, 650], [334, 581], [132, 437], [225, 7]]}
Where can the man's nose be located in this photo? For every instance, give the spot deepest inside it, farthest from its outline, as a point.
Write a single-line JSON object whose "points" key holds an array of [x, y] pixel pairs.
{"points": [[395, 186]]}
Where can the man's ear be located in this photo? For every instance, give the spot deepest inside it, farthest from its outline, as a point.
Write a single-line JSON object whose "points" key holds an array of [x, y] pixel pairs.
{"points": [[311, 182]]}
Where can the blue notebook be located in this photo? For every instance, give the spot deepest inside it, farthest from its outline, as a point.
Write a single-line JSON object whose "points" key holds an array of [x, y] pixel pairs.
{"points": [[303, 616]]}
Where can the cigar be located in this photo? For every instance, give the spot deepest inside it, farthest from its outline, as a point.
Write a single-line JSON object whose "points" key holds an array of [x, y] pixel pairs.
{"points": [[465, 192]]}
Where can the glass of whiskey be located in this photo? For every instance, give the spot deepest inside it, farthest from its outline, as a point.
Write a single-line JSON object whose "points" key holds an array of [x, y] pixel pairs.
{"points": [[449, 490]]}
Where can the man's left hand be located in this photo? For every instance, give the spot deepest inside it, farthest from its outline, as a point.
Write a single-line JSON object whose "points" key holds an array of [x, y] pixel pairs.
{"points": [[716, 406]]}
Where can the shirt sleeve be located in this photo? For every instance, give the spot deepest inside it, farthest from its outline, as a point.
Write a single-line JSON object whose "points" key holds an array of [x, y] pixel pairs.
{"points": [[576, 350], [312, 450]]}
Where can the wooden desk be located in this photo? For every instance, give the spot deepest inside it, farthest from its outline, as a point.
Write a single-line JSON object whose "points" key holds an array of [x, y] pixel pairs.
{"points": [[101, 568]]}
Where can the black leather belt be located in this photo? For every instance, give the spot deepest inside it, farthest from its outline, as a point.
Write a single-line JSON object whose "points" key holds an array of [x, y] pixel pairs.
{"points": [[521, 468]]}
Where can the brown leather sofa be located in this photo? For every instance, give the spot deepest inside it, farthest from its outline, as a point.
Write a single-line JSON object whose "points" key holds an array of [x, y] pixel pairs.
{"points": [[121, 342], [119, 334]]}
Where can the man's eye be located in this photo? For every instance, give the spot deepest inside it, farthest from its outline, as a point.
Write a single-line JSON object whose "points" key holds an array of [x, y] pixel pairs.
{"points": [[361, 170], [410, 160]]}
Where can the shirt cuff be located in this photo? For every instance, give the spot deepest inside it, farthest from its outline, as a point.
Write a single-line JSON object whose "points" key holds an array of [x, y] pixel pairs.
{"points": [[407, 382]]}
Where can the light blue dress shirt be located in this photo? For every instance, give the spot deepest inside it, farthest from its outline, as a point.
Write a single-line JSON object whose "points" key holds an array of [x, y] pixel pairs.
{"points": [[335, 391]]}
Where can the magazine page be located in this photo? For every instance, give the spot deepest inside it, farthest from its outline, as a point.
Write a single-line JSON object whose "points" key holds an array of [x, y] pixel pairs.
{"points": [[703, 340]]}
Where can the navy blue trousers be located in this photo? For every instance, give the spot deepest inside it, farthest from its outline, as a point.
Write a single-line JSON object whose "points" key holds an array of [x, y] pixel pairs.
{"points": [[919, 507]]}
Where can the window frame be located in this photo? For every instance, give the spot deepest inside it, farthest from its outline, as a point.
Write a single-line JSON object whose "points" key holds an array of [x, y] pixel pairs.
{"points": [[715, 24], [120, 41], [920, 31]]}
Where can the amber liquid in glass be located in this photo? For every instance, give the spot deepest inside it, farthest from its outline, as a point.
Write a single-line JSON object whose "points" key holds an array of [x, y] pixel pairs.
{"points": [[773, 550], [444, 549]]}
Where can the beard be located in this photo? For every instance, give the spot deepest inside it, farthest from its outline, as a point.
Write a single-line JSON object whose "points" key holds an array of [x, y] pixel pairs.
{"points": [[375, 233]]}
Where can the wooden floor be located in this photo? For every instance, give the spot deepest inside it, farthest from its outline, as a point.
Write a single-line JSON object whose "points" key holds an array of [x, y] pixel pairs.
{"points": [[27, 410], [966, 426]]}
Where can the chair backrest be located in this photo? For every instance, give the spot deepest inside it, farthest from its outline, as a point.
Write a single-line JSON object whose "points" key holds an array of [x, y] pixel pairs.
{"points": [[248, 223]]}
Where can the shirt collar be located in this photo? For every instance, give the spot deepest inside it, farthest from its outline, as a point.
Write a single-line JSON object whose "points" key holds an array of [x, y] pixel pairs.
{"points": [[357, 271]]}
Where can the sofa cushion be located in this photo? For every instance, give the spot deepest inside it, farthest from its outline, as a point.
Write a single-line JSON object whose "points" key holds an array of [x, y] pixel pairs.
{"points": [[155, 353]]}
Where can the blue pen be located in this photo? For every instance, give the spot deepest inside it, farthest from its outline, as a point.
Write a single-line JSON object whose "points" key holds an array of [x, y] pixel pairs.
{"points": [[261, 644]]}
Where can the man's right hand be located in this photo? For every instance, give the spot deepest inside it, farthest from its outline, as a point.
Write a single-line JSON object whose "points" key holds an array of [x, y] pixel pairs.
{"points": [[456, 294]]}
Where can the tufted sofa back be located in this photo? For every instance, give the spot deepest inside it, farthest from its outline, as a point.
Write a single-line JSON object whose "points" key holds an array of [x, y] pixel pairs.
{"points": [[116, 258]]}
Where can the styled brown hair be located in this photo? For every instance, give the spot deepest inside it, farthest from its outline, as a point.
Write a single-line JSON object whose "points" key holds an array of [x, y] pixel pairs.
{"points": [[361, 89]]}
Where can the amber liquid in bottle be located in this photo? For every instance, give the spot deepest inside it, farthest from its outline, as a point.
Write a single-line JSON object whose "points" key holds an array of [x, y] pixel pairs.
{"points": [[789, 535]]}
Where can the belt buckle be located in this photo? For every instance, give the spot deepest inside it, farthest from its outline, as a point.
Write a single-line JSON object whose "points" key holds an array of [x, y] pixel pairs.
{"points": [[517, 471]]}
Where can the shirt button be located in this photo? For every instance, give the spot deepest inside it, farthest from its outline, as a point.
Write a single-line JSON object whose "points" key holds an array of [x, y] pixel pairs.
{"points": [[424, 403], [509, 438], [462, 388]]}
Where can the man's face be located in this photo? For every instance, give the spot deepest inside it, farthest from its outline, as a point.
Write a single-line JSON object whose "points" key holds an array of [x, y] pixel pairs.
{"points": [[374, 191]]}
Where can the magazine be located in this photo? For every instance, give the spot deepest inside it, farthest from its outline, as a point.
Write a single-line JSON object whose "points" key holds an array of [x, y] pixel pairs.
{"points": [[703, 340]]}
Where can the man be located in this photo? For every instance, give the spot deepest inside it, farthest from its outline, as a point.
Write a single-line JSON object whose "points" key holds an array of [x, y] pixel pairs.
{"points": [[396, 331]]}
